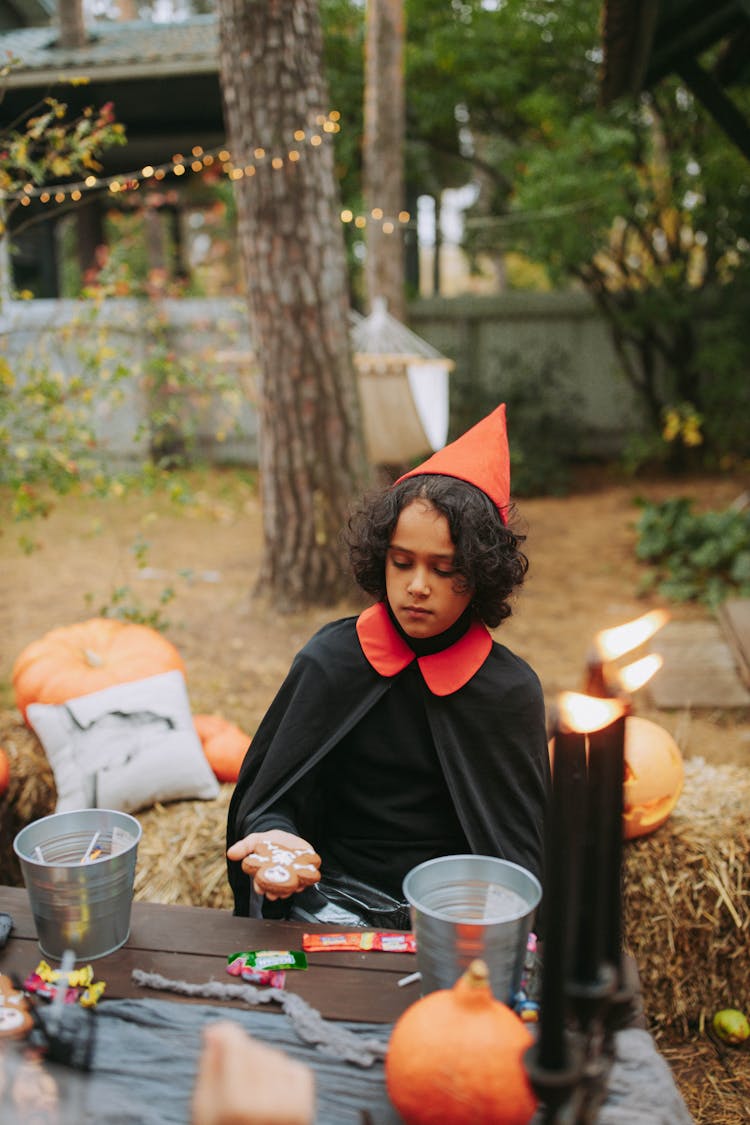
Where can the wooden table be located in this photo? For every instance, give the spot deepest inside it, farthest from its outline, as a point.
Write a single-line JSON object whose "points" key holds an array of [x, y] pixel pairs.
{"points": [[192, 944]]}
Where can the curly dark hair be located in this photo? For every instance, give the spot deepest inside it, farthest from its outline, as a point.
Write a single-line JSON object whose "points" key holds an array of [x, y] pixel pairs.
{"points": [[488, 558]]}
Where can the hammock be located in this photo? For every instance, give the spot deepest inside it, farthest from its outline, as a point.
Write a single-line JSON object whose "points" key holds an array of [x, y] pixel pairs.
{"points": [[403, 383]]}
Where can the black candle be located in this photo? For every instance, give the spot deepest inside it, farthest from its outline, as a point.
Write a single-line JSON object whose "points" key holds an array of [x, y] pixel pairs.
{"points": [[608, 745], [595, 681], [600, 928], [589, 941], [560, 891]]}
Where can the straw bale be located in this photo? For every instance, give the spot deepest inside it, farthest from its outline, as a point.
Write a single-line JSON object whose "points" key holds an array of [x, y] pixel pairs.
{"points": [[181, 854], [687, 901], [31, 791], [713, 1079]]}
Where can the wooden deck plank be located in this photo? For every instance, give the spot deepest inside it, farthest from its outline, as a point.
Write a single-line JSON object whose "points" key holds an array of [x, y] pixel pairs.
{"points": [[699, 668], [734, 619]]}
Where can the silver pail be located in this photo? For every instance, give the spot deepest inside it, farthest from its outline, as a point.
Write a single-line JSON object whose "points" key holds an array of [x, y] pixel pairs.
{"points": [[79, 871], [471, 906]]}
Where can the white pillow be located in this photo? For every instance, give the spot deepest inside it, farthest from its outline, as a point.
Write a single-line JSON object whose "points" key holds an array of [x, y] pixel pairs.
{"points": [[125, 747]]}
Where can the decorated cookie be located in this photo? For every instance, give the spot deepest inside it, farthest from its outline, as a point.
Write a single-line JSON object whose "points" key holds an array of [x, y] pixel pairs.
{"points": [[280, 870], [16, 1019]]}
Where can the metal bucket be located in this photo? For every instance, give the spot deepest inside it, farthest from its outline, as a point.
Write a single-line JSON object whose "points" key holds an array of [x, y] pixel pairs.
{"points": [[79, 870], [469, 906]]}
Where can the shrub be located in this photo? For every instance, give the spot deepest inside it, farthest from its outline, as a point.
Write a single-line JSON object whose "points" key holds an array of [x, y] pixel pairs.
{"points": [[697, 556]]}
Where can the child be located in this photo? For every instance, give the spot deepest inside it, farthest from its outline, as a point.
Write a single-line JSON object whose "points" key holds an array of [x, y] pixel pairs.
{"points": [[407, 732]]}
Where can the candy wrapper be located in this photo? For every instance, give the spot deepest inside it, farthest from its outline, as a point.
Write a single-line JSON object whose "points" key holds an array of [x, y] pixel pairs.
{"points": [[265, 966], [81, 988], [526, 1000], [396, 941], [238, 967]]}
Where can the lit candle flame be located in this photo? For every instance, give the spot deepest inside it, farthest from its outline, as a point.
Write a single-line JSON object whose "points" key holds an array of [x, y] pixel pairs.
{"points": [[587, 713], [615, 642], [635, 675]]}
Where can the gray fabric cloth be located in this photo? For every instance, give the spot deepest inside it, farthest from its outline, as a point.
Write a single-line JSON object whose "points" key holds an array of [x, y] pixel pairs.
{"points": [[329, 1036], [641, 1088], [146, 1058]]}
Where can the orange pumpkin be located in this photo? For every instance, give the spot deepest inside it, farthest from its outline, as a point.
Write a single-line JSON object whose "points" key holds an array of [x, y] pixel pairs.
{"points": [[4, 771], [224, 745], [455, 1057], [77, 659], [654, 775]]}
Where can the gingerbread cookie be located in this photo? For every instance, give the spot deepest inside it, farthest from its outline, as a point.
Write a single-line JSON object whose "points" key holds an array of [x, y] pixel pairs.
{"points": [[281, 870], [16, 1019]]}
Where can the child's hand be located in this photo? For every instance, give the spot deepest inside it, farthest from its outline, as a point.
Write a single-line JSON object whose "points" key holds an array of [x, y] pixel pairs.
{"points": [[246, 1082], [245, 850]]}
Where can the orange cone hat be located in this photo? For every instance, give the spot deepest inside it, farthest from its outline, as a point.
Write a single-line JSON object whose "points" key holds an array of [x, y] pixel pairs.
{"points": [[480, 457]]}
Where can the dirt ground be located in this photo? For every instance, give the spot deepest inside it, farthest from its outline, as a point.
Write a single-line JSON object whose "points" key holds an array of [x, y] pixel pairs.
{"points": [[237, 646]]}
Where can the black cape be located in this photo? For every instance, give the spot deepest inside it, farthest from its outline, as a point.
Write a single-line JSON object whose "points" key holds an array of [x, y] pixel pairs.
{"points": [[489, 736]]}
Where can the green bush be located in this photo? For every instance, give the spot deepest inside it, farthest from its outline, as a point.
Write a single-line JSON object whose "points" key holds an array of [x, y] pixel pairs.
{"points": [[697, 556]]}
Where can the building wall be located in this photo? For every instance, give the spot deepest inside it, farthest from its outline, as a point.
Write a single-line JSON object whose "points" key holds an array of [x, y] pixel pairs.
{"points": [[555, 344], [206, 340]]}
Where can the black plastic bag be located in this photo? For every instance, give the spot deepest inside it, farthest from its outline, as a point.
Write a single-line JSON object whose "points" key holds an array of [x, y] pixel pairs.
{"points": [[340, 899]]}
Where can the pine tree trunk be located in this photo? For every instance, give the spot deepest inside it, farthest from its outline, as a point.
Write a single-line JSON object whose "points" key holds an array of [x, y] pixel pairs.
{"points": [[291, 240], [384, 152], [72, 28]]}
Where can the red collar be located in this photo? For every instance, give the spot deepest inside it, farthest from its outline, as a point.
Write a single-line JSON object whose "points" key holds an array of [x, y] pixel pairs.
{"points": [[444, 672]]}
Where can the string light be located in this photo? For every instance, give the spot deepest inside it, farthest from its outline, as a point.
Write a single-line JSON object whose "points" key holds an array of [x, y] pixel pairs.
{"points": [[179, 166]]}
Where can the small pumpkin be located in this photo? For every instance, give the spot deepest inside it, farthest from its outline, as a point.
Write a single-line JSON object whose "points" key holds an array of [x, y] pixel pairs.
{"points": [[77, 659], [455, 1057], [654, 775], [4, 771], [224, 745], [732, 1027]]}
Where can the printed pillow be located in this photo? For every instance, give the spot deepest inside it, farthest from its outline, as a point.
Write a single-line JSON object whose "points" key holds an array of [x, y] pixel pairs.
{"points": [[125, 747]]}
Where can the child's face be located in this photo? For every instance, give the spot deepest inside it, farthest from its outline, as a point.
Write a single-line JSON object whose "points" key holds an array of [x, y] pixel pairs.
{"points": [[420, 576]]}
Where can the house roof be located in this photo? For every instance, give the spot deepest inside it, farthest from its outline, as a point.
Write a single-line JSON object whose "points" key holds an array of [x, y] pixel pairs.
{"points": [[162, 78], [115, 51], [643, 41]]}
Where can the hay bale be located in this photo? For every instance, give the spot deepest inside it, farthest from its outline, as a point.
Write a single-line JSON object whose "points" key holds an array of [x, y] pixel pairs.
{"points": [[31, 792], [687, 901], [181, 854], [712, 1079]]}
